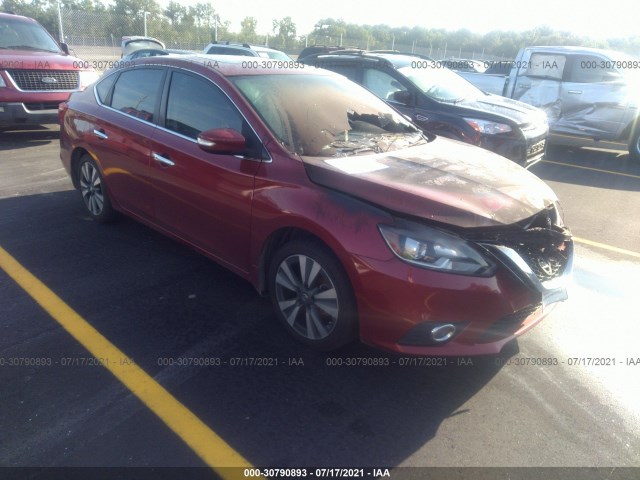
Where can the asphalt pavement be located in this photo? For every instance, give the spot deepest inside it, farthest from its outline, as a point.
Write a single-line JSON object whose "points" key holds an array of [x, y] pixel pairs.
{"points": [[206, 337]]}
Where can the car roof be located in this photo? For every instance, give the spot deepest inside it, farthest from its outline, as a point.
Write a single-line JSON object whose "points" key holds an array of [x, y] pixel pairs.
{"points": [[576, 49], [396, 60], [225, 65], [246, 46], [15, 16]]}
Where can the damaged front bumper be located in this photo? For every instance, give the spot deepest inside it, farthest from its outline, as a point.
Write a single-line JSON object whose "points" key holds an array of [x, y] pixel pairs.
{"points": [[478, 315]]}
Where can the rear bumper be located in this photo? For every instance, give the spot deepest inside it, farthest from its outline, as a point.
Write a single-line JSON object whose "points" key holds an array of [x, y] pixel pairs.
{"points": [[13, 114]]}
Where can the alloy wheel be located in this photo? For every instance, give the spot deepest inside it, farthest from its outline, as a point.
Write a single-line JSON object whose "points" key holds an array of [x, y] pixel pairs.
{"points": [[306, 297], [91, 188]]}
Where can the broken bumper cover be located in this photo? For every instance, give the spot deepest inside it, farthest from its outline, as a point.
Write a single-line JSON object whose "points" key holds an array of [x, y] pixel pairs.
{"points": [[486, 313], [26, 114]]}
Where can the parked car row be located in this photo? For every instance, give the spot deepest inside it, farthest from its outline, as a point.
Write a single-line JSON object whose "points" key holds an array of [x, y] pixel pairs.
{"points": [[356, 223], [441, 102]]}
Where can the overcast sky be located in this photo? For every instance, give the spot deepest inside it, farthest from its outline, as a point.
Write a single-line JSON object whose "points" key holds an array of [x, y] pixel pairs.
{"points": [[598, 19]]}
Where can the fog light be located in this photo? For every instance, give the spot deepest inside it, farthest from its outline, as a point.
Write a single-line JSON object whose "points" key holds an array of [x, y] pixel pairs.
{"points": [[432, 333], [443, 333]]}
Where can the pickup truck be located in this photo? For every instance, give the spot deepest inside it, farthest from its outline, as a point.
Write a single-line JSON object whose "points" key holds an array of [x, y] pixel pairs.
{"points": [[591, 96]]}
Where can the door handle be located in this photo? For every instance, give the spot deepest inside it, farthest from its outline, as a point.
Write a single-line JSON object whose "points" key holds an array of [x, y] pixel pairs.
{"points": [[100, 134], [574, 91], [163, 160], [524, 85]]}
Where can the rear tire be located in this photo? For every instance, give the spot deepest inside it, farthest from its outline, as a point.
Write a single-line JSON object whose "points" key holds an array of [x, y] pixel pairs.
{"points": [[312, 296], [92, 190]]}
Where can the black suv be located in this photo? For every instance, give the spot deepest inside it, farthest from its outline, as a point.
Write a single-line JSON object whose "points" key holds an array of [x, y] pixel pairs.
{"points": [[441, 102]]}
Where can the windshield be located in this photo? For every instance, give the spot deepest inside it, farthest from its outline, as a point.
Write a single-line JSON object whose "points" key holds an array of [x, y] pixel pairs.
{"points": [[276, 55], [24, 35], [441, 84], [326, 115]]}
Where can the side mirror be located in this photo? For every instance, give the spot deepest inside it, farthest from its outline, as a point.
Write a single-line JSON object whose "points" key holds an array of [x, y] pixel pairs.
{"points": [[222, 140], [64, 47], [401, 96]]}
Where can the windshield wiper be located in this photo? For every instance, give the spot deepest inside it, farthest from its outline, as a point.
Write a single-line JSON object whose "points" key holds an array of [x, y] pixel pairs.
{"points": [[29, 47]]}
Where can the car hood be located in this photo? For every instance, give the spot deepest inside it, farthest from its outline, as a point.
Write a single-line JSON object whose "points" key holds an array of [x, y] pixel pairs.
{"points": [[519, 112], [444, 181], [38, 60]]}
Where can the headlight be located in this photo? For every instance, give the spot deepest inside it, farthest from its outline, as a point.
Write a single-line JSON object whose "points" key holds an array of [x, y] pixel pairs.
{"points": [[487, 127], [87, 78], [436, 250]]}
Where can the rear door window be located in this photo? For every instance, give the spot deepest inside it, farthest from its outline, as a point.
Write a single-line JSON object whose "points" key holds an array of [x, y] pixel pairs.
{"points": [[590, 69], [103, 87], [137, 92]]}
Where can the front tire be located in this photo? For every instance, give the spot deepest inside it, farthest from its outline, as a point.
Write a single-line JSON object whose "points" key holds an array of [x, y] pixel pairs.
{"points": [[634, 146], [312, 296], [92, 190]]}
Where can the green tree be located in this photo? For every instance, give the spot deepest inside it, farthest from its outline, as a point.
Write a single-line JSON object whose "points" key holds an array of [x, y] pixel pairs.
{"points": [[175, 13], [285, 32], [248, 31]]}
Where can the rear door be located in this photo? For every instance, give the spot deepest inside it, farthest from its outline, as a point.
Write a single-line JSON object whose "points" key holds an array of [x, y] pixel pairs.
{"points": [[203, 198], [595, 98], [121, 135]]}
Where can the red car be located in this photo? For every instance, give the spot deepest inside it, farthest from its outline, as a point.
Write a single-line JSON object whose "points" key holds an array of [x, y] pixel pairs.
{"points": [[36, 73], [325, 198]]}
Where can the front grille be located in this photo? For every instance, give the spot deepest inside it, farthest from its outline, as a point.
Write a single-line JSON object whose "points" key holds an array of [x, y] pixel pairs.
{"points": [[509, 324], [545, 246], [546, 251], [45, 80], [36, 107]]}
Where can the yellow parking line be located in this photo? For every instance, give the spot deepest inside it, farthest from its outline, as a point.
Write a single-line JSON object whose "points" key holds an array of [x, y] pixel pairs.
{"points": [[607, 247], [591, 168], [212, 449]]}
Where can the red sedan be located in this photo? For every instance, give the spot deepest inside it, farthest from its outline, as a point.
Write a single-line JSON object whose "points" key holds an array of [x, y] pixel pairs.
{"points": [[353, 221]]}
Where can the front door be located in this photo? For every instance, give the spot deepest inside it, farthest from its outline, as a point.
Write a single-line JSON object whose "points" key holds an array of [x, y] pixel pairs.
{"points": [[202, 197]]}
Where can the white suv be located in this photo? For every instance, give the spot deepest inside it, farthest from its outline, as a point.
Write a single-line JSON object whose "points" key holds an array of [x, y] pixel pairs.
{"points": [[245, 49]]}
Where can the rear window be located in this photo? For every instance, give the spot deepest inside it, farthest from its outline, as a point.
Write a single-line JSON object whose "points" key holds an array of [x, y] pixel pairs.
{"points": [[229, 51]]}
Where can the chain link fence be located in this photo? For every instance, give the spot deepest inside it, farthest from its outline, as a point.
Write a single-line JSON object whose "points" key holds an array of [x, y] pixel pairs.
{"points": [[96, 37]]}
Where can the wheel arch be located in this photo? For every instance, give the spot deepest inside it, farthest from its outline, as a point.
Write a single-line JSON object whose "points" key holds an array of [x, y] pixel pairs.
{"points": [[76, 155], [284, 235]]}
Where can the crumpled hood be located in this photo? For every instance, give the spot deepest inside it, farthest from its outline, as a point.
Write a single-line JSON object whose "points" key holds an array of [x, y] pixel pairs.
{"points": [[444, 181]]}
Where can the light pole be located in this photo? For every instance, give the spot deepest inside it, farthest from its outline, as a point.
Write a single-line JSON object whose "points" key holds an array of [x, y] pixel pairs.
{"points": [[145, 22], [60, 22]]}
